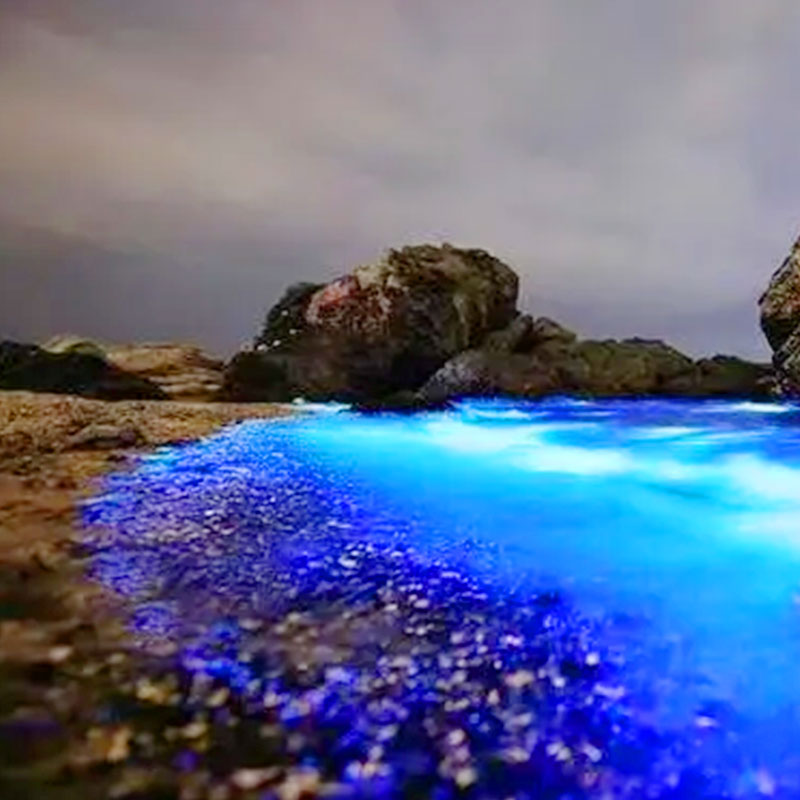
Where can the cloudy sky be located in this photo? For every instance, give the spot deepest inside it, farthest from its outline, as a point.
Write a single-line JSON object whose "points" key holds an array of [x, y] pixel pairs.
{"points": [[167, 167]]}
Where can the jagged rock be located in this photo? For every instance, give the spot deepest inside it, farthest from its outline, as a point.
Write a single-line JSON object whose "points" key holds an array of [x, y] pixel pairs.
{"points": [[382, 329], [724, 376], [630, 367], [780, 320], [545, 330], [183, 372], [780, 303], [520, 363], [28, 367]]}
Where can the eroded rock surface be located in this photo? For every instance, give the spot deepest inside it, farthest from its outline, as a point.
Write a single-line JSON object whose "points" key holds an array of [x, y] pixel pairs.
{"points": [[532, 358], [780, 321], [383, 328], [183, 372]]}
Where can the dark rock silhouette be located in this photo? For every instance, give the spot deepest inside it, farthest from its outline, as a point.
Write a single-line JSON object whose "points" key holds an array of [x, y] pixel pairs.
{"points": [[427, 324], [538, 357], [30, 368], [780, 321], [383, 328], [184, 372]]}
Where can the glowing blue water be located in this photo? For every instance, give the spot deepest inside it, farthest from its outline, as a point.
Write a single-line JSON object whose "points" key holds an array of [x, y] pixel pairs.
{"points": [[674, 525]]}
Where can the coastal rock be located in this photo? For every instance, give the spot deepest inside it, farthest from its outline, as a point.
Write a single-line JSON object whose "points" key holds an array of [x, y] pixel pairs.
{"points": [[780, 304], [383, 328], [30, 368], [780, 321], [183, 372], [69, 343], [109, 436], [724, 376], [532, 358]]}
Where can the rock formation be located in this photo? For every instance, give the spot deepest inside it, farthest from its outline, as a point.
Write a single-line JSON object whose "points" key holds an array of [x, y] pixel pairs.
{"points": [[183, 372], [780, 321], [427, 324], [28, 367], [532, 358], [383, 328]]}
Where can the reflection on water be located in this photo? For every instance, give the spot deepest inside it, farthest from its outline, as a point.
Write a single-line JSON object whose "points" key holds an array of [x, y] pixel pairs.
{"points": [[671, 528]]}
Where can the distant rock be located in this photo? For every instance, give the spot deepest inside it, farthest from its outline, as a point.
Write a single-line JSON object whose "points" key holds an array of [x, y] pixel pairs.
{"points": [[183, 372], [69, 343], [725, 376], [780, 321], [30, 368], [534, 358], [381, 329]]}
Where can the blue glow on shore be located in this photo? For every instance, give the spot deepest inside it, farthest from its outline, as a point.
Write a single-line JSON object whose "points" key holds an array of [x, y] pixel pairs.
{"points": [[672, 527]]}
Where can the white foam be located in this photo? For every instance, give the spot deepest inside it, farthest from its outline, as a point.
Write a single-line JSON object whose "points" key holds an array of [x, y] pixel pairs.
{"points": [[465, 438], [576, 460]]}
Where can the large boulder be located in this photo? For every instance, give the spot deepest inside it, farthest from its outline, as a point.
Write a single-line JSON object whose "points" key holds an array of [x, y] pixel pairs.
{"points": [[381, 329], [780, 321], [30, 368]]}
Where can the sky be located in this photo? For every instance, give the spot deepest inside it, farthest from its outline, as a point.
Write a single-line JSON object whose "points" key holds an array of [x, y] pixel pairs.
{"points": [[168, 167]]}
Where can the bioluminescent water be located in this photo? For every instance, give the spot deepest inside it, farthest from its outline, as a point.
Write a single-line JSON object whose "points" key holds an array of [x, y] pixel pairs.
{"points": [[558, 599]]}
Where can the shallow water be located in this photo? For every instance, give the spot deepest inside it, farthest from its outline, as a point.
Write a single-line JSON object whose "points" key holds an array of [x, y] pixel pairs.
{"points": [[672, 530]]}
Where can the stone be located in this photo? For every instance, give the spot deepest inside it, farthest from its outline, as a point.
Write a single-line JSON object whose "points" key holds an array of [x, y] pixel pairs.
{"points": [[383, 328], [183, 372], [779, 306], [28, 367], [779, 309], [724, 376], [106, 437], [537, 358]]}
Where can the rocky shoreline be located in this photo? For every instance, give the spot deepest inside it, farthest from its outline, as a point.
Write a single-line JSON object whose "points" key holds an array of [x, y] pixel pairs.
{"points": [[422, 325], [429, 324], [61, 635]]}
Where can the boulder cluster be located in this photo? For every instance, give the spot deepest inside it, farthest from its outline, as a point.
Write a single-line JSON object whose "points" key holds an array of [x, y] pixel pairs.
{"points": [[423, 325], [427, 324]]}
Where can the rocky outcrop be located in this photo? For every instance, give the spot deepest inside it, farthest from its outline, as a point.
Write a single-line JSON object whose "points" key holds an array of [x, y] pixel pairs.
{"points": [[30, 368], [69, 343], [183, 372], [383, 328], [780, 321], [532, 358], [427, 324]]}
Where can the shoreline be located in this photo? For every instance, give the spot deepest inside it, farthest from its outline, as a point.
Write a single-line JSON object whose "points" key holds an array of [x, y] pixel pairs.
{"points": [[55, 622]]}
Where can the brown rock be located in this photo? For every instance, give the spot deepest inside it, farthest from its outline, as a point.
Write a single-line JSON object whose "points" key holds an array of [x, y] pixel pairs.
{"points": [[384, 328], [183, 372]]}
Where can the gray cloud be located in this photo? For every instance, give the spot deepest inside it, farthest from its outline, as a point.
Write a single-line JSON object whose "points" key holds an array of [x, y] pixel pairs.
{"points": [[635, 162]]}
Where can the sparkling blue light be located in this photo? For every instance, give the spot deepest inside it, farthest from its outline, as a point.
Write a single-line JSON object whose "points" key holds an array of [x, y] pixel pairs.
{"points": [[673, 528]]}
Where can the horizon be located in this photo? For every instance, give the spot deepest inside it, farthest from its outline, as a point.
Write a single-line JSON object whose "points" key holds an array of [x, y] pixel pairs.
{"points": [[169, 169]]}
